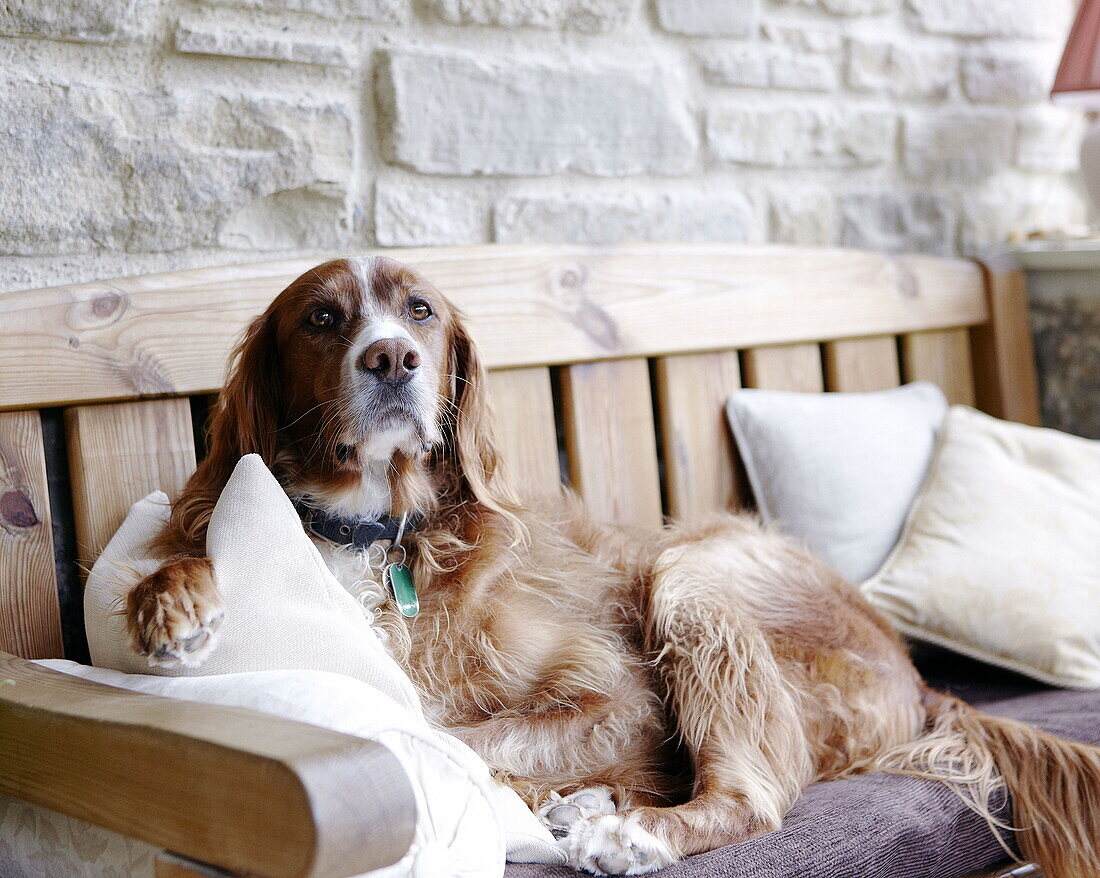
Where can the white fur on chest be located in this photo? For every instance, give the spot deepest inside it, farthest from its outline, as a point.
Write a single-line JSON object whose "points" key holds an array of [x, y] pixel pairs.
{"points": [[360, 573]]}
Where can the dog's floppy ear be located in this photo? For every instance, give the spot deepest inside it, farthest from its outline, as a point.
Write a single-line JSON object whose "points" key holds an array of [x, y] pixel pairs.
{"points": [[470, 450], [246, 418], [244, 421], [470, 419]]}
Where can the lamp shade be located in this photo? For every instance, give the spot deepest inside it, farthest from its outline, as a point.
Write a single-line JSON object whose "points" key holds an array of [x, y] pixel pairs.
{"points": [[1078, 78]]}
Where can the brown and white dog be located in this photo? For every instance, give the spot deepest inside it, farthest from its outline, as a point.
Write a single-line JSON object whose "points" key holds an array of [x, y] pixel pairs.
{"points": [[651, 695]]}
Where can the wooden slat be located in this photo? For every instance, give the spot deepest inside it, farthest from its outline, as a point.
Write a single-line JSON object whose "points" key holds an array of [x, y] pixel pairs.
{"points": [[942, 357], [857, 365], [1005, 381], [527, 305], [120, 452], [30, 621], [608, 414], [251, 793], [523, 403], [700, 470], [785, 367]]}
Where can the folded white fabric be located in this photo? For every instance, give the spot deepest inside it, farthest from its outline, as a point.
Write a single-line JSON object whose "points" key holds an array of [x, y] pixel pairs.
{"points": [[1000, 555], [295, 642], [284, 608], [838, 470], [457, 831]]}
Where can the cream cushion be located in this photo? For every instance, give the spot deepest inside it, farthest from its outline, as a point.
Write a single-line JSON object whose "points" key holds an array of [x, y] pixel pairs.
{"points": [[286, 612], [838, 470], [999, 558]]}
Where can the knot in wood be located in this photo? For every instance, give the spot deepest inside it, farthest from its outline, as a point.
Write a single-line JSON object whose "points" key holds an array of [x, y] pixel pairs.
{"points": [[17, 510]]}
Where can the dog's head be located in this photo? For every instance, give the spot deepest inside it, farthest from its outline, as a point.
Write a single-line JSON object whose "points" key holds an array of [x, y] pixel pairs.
{"points": [[361, 367]]}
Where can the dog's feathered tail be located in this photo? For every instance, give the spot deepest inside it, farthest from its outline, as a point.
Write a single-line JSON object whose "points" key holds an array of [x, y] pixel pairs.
{"points": [[1054, 784]]}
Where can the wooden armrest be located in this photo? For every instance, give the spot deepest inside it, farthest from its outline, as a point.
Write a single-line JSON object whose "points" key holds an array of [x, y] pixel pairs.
{"points": [[240, 790]]}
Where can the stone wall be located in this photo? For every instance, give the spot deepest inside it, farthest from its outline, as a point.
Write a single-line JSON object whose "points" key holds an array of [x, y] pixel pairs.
{"points": [[142, 135]]}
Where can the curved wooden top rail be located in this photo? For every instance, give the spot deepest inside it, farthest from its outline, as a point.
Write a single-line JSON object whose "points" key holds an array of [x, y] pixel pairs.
{"points": [[169, 334]]}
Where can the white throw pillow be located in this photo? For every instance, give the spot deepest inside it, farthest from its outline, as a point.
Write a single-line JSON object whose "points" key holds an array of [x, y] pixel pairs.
{"points": [[1000, 555], [838, 470], [283, 607], [285, 611]]}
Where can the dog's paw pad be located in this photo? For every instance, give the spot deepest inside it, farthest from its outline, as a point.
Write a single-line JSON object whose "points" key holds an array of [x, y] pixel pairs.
{"points": [[593, 801], [562, 817], [614, 844], [558, 813]]}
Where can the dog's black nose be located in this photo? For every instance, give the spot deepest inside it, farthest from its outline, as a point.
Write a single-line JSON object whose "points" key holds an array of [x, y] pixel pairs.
{"points": [[390, 359]]}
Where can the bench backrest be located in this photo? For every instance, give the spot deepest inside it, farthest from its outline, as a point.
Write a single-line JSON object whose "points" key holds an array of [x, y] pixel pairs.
{"points": [[609, 368]]}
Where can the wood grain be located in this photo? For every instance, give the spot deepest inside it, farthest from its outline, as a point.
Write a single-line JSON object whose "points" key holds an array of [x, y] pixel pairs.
{"points": [[700, 470], [942, 357], [1005, 380], [523, 403], [120, 452], [30, 621], [858, 365], [527, 305], [785, 367], [608, 414], [245, 791]]}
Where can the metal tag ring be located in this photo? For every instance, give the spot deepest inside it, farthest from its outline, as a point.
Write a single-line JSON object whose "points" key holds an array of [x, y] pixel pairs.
{"points": [[404, 554]]}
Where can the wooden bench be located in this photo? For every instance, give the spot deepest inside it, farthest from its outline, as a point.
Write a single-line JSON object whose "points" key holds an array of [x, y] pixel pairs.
{"points": [[609, 369]]}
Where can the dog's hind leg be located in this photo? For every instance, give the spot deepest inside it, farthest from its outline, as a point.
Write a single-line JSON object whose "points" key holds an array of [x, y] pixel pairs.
{"points": [[737, 717]]}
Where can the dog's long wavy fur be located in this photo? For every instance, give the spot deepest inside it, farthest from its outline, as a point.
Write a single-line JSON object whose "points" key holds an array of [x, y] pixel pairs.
{"points": [[1054, 784], [706, 674]]}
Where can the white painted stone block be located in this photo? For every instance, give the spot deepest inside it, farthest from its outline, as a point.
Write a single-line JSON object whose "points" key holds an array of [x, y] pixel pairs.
{"points": [[90, 168], [93, 21], [1006, 79], [723, 215], [765, 66], [449, 113], [846, 7], [801, 137], [897, 222], [964, 146], [379, 11], [1030, 19], [211, 38], [419, 214], [312, 217], [888, 67], [858, 7], [708, 18], [592, 16], [804, 215]]}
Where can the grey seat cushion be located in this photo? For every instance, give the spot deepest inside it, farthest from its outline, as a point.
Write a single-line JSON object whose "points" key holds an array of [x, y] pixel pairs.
{"points": [[883, 826]]}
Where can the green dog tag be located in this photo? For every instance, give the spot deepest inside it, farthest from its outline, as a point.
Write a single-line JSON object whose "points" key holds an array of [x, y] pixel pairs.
{"points": [[404, 592]]}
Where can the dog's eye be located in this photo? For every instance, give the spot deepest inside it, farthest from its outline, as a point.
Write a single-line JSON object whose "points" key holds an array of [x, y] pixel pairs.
{"points": [[321, 317], [420, 310]]}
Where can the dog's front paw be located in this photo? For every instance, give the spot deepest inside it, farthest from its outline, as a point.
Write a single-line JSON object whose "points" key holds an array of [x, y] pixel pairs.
{"points": [[172, 616], [558, 813], [616, 844]]}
